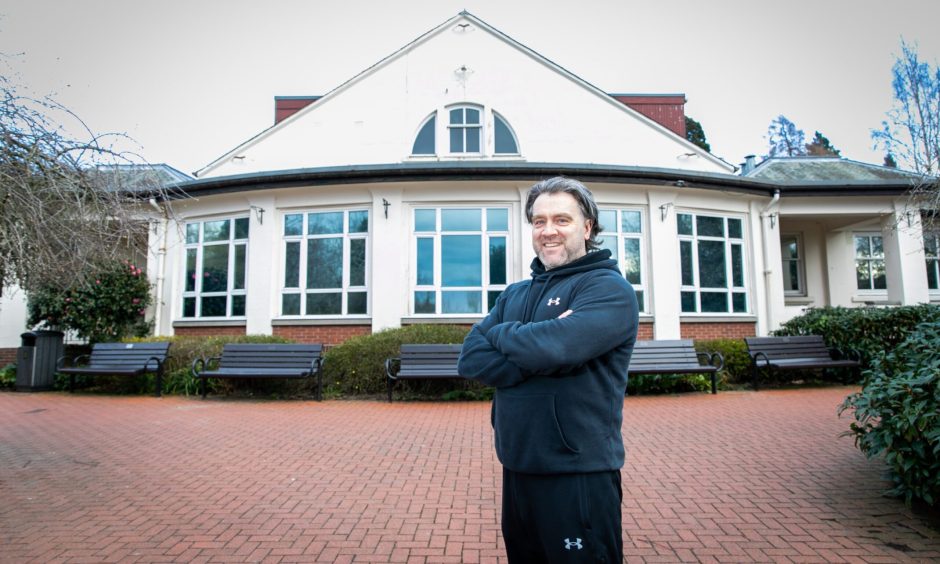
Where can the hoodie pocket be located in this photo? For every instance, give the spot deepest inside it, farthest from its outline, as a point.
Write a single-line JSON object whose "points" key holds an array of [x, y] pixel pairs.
{"points": [[529, 437]]}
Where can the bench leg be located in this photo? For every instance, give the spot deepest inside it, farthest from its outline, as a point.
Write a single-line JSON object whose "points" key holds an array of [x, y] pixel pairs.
{"points": [[389, 383], [202, 387], [158, 385], [71, 383], [754, 375], [319, 386], [714, 383]]}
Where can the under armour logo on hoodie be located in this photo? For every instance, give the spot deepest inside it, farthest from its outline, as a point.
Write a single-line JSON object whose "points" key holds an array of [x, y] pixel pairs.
{"points": [[554, 301], [576, 544]]}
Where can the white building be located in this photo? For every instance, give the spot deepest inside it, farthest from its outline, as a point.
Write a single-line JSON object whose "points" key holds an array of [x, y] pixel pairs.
{"points": [[398, 197]]}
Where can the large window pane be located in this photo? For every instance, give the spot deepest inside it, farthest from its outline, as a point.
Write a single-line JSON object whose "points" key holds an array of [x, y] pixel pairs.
{"points": [[325, 223], [684, 224], [791, 278], [609, 242], [739, 302], [712, 269], [189, 307], [735, 230], [215, 269], [863, 275], [473, 140], [862, 247], [325, 263], [879, 280], [425, 261], [608, 220], [688, 302], [325, 304], [461, 260], [460, 302], [357, 262], [238, 305], [460, 219], [456, 140], [504, 142], [215, 231], [497, 260]]}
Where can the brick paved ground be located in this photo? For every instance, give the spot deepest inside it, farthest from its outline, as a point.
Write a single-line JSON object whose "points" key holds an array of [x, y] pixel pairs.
{"points": [[741, 477]]}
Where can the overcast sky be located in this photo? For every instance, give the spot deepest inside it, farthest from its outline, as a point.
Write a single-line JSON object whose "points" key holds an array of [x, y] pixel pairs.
{"points": [[191, 79]]}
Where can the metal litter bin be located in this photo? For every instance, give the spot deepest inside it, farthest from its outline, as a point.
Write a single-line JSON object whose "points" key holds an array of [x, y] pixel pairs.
{"points": [[36, 360]]}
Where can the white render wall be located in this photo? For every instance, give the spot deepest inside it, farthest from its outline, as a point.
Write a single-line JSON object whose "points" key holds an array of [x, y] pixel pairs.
{"points": [[13, 316]]}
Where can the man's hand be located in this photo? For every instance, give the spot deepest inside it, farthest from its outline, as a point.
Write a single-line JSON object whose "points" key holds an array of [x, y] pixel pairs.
{"points": [[566, 314]]}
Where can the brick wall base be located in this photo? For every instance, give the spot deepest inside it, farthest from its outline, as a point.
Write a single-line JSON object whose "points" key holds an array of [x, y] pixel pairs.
{"points": [[329, 335], [645, 332], [732, 330], [209, 331], [7, 356]]}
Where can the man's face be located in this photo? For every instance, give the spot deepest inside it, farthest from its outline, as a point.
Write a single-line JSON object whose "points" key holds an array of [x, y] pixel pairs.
{"points": [[559, 229]]}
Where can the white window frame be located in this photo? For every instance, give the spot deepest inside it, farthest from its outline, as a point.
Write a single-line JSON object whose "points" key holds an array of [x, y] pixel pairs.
{"points": [[871, 259], [304, 239], [199, 246], [800, 264], [466, 128], [729, 243], [933, 260], [486, 287], [621, 236]]}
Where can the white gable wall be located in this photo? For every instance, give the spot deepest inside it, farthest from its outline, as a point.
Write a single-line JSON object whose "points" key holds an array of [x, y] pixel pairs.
{"points": [[375, 117]]}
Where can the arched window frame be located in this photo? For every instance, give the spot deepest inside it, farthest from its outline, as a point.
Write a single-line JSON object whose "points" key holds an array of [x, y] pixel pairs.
{"points": [[486, 131], [497, 117]]}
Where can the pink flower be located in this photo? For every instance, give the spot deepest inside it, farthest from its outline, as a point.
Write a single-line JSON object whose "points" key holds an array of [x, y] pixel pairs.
{"points": [[135, 301]]}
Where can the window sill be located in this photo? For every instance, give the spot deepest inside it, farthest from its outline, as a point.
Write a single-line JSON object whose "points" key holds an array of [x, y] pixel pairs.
{"points": [[210, 322], [881, 300], [321, 321], [451, 320], [798, 300], [706, 318]]}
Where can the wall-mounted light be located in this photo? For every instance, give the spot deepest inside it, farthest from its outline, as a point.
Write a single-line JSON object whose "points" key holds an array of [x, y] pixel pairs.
{"points": [[664, 211], [680, 183], [259, 213], [386, 203], [773, 219]]}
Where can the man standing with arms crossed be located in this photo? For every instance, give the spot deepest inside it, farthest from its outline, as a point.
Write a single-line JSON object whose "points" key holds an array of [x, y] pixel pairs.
{"points": [[557, 347]]}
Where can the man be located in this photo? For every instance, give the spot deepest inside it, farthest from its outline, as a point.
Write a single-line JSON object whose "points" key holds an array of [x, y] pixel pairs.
{"points": [[556, 348]]}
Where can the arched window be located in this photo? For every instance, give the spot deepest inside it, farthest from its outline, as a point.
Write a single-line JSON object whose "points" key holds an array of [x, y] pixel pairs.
{"points": [[424, 142], [505, 141], [465, 127]]}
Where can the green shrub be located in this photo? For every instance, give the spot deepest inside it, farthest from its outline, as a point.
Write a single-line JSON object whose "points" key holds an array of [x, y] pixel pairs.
{"points": [[8, 377], [177, 378], [737, 368], [865, 330], [357, 366], [897, 414], [646, 384]]}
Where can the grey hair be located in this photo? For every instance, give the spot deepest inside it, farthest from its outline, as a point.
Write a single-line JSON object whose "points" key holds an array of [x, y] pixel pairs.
{"points": [[581, 195]]}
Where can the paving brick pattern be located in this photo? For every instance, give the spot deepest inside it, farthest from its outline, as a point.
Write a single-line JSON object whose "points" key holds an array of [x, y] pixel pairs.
{"points": [[739, 477]]}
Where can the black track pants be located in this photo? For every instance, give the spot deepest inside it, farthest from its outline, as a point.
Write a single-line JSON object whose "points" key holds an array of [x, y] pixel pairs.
{"points": [[562, 517]]}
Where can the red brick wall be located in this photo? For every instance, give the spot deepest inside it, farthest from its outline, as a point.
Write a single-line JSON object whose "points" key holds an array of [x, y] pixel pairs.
{"points": [[727, 330], [209, 331], [645, 332], [7, 356], [327, 334]]}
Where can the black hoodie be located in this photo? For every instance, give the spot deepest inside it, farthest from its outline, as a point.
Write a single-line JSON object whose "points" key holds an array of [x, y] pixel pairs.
{"points": [[559, 383]]}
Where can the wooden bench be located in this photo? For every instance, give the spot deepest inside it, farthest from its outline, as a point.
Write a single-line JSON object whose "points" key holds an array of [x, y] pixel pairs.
{"points": [[674, 357], [422, 362], [262, 361], [807, 352], [118, 359]]}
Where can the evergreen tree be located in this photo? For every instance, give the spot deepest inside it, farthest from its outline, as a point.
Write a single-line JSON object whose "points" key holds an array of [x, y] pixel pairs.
{"points": [[695, 134], [821, 147]]}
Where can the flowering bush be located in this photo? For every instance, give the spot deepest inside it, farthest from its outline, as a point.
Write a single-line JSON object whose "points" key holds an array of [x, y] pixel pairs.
{"points": [[107, 306]]}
